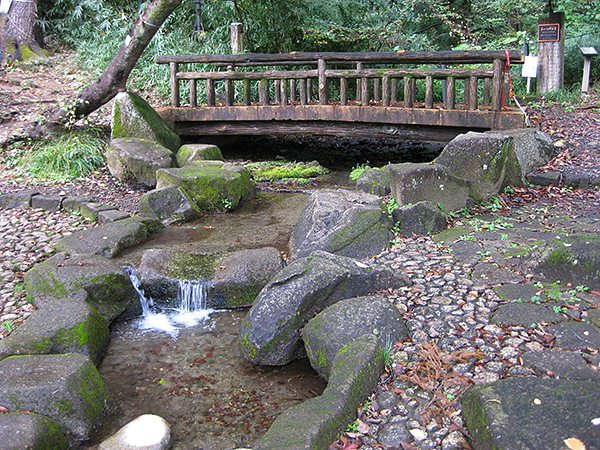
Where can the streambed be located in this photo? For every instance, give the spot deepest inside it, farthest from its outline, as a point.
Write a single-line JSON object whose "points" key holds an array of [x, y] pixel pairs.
{"points": [[195, 378]]}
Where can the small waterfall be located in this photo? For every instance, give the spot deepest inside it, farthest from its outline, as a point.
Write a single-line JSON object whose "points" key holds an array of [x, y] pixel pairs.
{"points": [[189, 308]]}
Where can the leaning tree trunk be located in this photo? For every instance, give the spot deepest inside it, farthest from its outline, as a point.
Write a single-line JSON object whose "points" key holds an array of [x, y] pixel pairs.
{"points": [[22, 30], [114, 78]]}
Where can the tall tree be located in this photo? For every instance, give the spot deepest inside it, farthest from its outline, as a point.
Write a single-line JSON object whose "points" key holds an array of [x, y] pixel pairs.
{"points": [[22, 31], [114, 78]]}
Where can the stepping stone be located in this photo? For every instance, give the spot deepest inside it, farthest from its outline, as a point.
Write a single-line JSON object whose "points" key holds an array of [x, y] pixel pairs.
{"points": [[522, 291], [466, 251], [564, 364], [575, 335], [525, 315], [485, 273], [46, 203], [532, 413]]}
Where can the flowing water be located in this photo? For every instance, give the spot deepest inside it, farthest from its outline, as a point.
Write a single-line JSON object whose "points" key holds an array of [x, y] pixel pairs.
{"points": [[184, 364]]}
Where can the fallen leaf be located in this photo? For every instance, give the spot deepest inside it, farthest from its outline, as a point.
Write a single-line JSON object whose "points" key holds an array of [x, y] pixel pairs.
{"points": [[574, 444]]}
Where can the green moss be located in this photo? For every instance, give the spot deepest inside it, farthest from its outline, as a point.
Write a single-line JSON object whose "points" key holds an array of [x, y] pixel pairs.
{"points": [[92, 390], [250, 349], [274, 171], [188, 266]]}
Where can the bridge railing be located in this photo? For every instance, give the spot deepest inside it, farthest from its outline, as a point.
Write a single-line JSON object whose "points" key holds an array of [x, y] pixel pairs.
{"points": [[382, 79]]}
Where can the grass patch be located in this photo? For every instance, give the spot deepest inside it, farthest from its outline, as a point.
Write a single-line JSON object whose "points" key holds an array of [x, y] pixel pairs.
{"points": [[285, 171], [71, 156], [358, 170]]}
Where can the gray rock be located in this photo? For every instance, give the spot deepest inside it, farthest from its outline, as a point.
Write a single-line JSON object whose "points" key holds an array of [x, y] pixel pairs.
{"points": [[531, 146], [25, 344], [147, 432], [532, 413], [190, 153], [46, 202], [525, 314], [342, 222], [486, 273], [75, 203], [20, 431], [71, 324], [59, 277], [521, 291], [574, 259], [423, 218], [564, 364], [169, 205], [211, 185], [466, 251], [488, 161], [18, 200], [575, 335], [133, 117], [108, 240], [331, 329], [135, 161], [66, 388], [111, 216], [92, 209], [317, 422], [545, 178], [393, 435], [270, 333], [413, 183], [374, 181]]}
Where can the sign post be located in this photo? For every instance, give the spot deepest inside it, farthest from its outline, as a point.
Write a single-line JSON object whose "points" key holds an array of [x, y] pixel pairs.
{"points": [[587, 53], [551, 51]]}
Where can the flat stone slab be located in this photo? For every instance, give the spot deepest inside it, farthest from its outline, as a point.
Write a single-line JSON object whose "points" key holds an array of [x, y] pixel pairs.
{"points": [[485, 273], [562, 363], [108, 240], [521, 291], [525, 315], [575, 335], [466, 251], [20, 431], [532, 413]]}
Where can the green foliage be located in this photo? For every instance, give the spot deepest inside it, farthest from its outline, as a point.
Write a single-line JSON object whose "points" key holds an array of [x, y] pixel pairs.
{"points": [[71, 156], [358, 170], [275, 171]]}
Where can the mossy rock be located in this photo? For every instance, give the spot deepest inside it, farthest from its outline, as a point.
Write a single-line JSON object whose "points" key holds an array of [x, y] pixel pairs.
{"points": [[133, 117], [189, 153], [20, 430], [211, 185], [66, 388]]}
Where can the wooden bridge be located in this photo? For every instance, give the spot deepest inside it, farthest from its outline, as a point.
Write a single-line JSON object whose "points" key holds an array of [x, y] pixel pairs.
{"points": [[410, 95]]}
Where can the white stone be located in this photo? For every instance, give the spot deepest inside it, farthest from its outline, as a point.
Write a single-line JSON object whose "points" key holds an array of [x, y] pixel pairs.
{"points": [[147, 432]]}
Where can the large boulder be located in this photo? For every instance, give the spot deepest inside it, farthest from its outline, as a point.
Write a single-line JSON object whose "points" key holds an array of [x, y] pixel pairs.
{"points": [[71, 325], [331, 329], [133, 117], [317, 422], [20, 430], [532, 147], [67, 388], [488, 161], [109, 240], [346, 223], [190, 153], [61, 276], [374, 181], [423, 218], [418, 182], [532, 413], [169, 205], [211, 185], [270, 333], [135, 161]]}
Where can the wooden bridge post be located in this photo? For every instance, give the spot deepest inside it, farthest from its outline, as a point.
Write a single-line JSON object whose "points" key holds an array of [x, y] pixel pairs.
{"points": [[193, 93], [377, 90], [210, 92], [428, 92], [323, 82], [303, 99], [473, 91], [486, 91], [359, 66], [283, 92], [343, 91], [386, 91], [450, 93], [174, 84], [247, 93], [293, 91], [229, 89], [408, 96], [394, 96], [263, 92], [364, 92]]}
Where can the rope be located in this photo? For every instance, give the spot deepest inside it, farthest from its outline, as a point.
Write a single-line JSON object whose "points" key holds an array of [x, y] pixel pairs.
{"points": [[511, 93], [147, 23]]}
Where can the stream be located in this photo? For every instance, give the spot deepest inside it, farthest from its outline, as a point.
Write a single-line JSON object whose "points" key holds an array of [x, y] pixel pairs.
{"points": [[191, 373]]}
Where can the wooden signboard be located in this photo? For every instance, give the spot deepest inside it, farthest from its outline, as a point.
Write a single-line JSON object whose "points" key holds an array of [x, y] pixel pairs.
{"points": [[549, 32]]}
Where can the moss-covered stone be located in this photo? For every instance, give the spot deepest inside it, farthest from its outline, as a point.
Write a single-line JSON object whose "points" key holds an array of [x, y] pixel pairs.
{"points": [[20, 430], [189, 153]]}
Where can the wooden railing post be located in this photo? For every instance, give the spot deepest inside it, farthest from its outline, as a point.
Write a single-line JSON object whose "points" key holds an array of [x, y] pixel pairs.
{"points": [[277, 89], [364, 92], [394, 96], [210, 92], [428, 92], [293, 91], [247, 93], [323, 84], [486, 91], [473, 91], [450, 93], [377, 90], [174, 84], [303, 97], [193, 93], [497, 85], [263, 92], [283, 92], [408, 96], [229, 89], [359, 66], [386, 91], [343, 91]]}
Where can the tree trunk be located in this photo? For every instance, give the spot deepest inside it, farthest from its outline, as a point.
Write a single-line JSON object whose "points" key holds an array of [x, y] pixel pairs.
{"points": [[114, 78], [22, 30]]}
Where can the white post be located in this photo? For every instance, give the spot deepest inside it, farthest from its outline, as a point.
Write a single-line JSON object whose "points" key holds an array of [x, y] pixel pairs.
{"points": [[237, 44], [587, 52]]}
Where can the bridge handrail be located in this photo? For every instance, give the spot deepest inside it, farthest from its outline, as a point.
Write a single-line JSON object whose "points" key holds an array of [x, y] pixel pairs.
{"points": [[385, 80]]}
